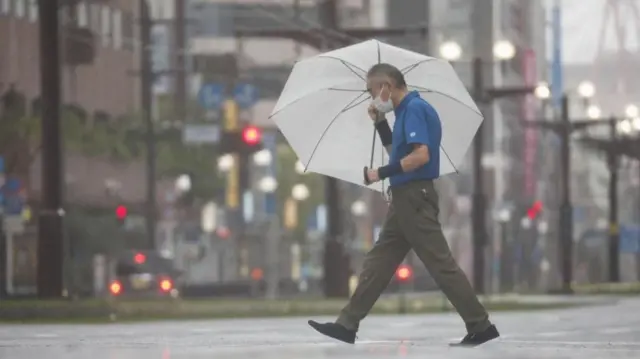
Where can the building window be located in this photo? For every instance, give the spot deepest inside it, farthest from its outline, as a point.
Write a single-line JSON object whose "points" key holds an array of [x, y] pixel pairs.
{"points": [[6, 6], [127, 31], [105, 22], [33, 10], [82, 14], [94, 18], [20, 8], [117, 29]]}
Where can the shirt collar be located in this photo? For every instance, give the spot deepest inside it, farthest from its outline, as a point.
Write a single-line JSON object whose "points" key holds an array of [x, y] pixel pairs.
{"points": [[403, 104]]}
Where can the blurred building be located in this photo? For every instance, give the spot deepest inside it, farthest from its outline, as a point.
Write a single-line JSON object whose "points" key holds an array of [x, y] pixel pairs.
{"points": [[98, 53], [512, 152]]}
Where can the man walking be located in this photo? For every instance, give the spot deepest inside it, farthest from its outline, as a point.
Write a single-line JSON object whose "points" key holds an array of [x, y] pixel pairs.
{"points": [[412, 221]]}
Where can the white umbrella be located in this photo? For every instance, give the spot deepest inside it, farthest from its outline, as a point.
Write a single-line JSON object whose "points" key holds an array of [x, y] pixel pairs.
{"points": [[322, 111]]}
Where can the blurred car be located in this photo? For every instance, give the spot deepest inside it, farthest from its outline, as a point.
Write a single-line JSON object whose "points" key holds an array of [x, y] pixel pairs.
{"points": [[144, 274]]}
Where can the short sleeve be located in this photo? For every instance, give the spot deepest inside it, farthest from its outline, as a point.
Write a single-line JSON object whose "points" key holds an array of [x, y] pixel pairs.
{"points": [[415, 127]]}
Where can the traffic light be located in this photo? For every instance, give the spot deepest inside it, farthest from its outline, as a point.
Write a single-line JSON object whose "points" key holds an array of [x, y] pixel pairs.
{"points": [[244, 142], [534, 210], [121, 213], [139, 258], [404, 272], [251, 136]]}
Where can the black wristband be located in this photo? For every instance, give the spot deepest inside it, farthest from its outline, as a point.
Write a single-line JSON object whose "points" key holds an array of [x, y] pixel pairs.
{"points": [[384, 131], [389, 170]]}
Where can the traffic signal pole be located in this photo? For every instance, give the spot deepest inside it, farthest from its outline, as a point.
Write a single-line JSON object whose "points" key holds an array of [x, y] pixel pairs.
{"points": [[50, 282], [614, 232], [479, 201], [146, 84], [566, 208], [326, 36]]}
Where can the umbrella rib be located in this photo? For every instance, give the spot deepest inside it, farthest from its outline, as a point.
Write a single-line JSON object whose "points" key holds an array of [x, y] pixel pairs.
{"points": [[409, 68], [348, 65], [423, 89], [353, 103]]}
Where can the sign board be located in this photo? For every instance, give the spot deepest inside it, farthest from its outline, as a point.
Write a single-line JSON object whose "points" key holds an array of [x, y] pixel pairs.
{"points": [[630, 239], [211, 96], [199, 134], [245, 95]]}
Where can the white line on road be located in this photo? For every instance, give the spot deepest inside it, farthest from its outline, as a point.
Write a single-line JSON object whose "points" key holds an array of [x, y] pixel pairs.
{"points": [[556, 334], [634, 345], [616, 330], [46, 335]]}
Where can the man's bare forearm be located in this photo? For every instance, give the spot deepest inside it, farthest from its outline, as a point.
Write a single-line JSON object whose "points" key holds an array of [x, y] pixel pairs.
{"points": [[418, 157]]}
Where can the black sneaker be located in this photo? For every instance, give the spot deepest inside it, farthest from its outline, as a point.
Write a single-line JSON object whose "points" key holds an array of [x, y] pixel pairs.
{"points": [[335, 331], [475, 339]]}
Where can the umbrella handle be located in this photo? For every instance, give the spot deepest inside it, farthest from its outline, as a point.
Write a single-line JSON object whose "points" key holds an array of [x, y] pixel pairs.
{"points": [[366, 177]]}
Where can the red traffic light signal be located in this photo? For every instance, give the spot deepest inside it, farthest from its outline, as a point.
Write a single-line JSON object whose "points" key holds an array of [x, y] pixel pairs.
{"points": [[139, 258], [534, 210], [404, 273], [121, 212], [251, 135]]}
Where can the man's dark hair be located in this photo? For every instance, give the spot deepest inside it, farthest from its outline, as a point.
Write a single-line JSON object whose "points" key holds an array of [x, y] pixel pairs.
{"points": [[390, 71]]}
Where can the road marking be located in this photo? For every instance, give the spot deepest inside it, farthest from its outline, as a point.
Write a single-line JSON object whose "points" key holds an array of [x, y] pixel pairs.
{"points": [[46, 335], [201, 330], [634, 345], [616, 330], [556, 334]]}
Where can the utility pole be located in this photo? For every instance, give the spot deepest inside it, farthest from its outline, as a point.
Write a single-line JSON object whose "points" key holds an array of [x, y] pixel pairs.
{"points": [[147, 111], [614, 232], [327, 35], [479, 200], [180, 84], [50, 281], [566, 208]]}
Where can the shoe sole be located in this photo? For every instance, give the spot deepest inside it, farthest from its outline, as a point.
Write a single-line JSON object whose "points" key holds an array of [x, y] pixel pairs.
{"points": [[462, 345], [316, 326]]}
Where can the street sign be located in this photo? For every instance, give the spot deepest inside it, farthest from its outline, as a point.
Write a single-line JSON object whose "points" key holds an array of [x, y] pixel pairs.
{"points": [[630, 239], [211, 96], [199, 134], [245, 95]]}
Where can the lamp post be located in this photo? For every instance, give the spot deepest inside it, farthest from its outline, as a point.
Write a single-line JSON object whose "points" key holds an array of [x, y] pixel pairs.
{"points": [[268, 185], [504, 218], [225, 162], [503, 50]]}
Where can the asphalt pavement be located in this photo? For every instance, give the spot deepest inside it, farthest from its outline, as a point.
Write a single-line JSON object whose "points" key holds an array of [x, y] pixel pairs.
{"points": [[602, 331]]}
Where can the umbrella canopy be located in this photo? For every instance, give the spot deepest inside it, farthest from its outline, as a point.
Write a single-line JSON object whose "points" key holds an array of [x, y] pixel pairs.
{"points": [[322, 111]]}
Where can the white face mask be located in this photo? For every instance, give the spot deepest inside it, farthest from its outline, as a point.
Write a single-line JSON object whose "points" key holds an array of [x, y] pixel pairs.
{"points": [[383, 106]]}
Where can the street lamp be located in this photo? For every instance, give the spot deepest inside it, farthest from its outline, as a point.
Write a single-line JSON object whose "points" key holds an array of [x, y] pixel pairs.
{"points": [[225, 162], [268, 184], [625, 127], [542, 91], [632, 111], [504, 217], [183, 183], [359, 208], [263, 158], [586, 89], [504, 50], [450, 51], [594, 112], [300, 168], [300, 192]]}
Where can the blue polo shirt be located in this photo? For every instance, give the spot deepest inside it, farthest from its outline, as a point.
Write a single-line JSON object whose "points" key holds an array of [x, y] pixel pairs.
{"points": [[417, 122]]}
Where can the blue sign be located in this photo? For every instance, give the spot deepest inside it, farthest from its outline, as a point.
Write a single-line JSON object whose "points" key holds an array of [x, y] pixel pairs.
{"points": [[630, 239], [245, 95], [211, 96], [557, 86]]}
